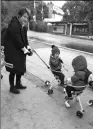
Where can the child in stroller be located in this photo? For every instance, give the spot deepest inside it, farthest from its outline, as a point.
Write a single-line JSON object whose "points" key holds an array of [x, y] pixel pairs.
{"points": [[81, 78], [55, 63]]}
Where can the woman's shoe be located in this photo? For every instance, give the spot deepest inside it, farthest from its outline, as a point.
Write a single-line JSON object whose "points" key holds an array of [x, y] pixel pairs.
{"points": [[14, 90], [20, 86]]}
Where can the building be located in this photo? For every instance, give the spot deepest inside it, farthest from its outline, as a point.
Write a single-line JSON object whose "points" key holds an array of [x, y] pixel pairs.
{"points": [[55, 13], [72, 28]]}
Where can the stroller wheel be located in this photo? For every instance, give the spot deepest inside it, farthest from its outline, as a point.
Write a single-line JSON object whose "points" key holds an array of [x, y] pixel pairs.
{"points": [[57, 78], [50, 91], [59, 82], [1, 76], [47, 83], [77, 100], [79, 114], [90, 102]]}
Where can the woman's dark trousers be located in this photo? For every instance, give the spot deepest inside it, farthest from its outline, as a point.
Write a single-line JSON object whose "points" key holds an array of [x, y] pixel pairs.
{"points": [[18, 82], [69, 89], [11, 81]]}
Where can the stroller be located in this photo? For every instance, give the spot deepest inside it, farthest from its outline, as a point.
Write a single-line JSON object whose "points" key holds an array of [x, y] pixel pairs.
{"points": [[51, 84], [76, 94], [75, 85], [48, 83]]}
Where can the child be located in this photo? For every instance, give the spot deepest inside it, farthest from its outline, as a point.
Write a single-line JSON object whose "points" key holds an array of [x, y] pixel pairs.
{"points": [[81, 77], [56, 64], [3, 34], [2, 59]]}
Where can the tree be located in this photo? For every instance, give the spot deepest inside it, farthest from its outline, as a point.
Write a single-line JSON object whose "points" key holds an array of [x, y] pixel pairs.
{"points": [[12, 8], [73, 11], [4, 12], [89, 14], [39, 12], [79, 11]]}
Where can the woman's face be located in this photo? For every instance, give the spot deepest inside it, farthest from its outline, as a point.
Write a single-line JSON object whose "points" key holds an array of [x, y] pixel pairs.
{"points": [[24, 19]]}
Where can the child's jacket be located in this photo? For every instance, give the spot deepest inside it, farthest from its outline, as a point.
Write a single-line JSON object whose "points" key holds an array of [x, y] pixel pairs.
{"points": [[55, 64], [80, 67]]}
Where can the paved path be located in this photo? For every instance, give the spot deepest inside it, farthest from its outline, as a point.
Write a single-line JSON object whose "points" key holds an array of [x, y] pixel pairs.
{"points": [[33, 108]]}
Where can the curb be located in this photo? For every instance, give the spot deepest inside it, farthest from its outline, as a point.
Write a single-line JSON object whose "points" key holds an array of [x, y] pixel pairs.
{"points": [[63, 47]]}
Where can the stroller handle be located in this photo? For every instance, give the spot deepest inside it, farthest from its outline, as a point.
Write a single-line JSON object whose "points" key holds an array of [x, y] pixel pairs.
{"points": [[42, 60]]}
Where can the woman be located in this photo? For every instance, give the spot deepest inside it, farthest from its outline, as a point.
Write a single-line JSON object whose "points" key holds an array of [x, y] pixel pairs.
{"points": [[16, 49]]}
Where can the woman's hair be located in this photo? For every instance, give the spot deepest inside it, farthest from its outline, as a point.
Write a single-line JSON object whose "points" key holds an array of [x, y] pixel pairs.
{"points": [[22, 11]]}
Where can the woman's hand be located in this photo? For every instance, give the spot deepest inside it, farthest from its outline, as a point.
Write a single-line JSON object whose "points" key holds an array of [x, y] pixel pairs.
{"points": [[25, 50], [30, 53], [28, 47]]}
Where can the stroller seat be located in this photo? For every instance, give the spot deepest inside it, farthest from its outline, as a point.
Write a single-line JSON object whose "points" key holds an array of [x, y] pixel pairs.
{"points": [[79, 90], [77, 94]]}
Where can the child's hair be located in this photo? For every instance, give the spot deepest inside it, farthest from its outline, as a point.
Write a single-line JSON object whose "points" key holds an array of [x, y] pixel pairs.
{"points": [[55, 49], [52, 46]]}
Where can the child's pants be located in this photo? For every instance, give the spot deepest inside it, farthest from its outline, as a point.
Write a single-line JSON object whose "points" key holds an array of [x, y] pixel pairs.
{"points": [[69, 89], [60, 75]]}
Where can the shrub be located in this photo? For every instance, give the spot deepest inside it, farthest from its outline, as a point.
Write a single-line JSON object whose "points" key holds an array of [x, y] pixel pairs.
{"points": [[54, 28], [82, 47], [38, 26], [31, 25]]}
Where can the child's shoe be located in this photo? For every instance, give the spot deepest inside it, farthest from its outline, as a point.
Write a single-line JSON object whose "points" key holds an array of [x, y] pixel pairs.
{"points": [[64, 90], [67, 104]]}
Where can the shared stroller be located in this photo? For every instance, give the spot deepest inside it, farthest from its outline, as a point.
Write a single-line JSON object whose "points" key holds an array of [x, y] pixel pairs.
{"points": [[78, 83], [75, 93], [51, 84]]}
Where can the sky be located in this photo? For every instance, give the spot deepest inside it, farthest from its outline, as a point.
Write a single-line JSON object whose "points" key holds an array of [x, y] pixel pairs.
{"points": [[57, 3]]}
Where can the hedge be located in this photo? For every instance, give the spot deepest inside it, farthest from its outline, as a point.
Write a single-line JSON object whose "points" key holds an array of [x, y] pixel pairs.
{"points": [[82, 47]]}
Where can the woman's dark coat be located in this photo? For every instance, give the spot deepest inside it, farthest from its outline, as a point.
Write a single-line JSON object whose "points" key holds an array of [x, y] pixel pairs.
{"points": [[16, 39]]}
